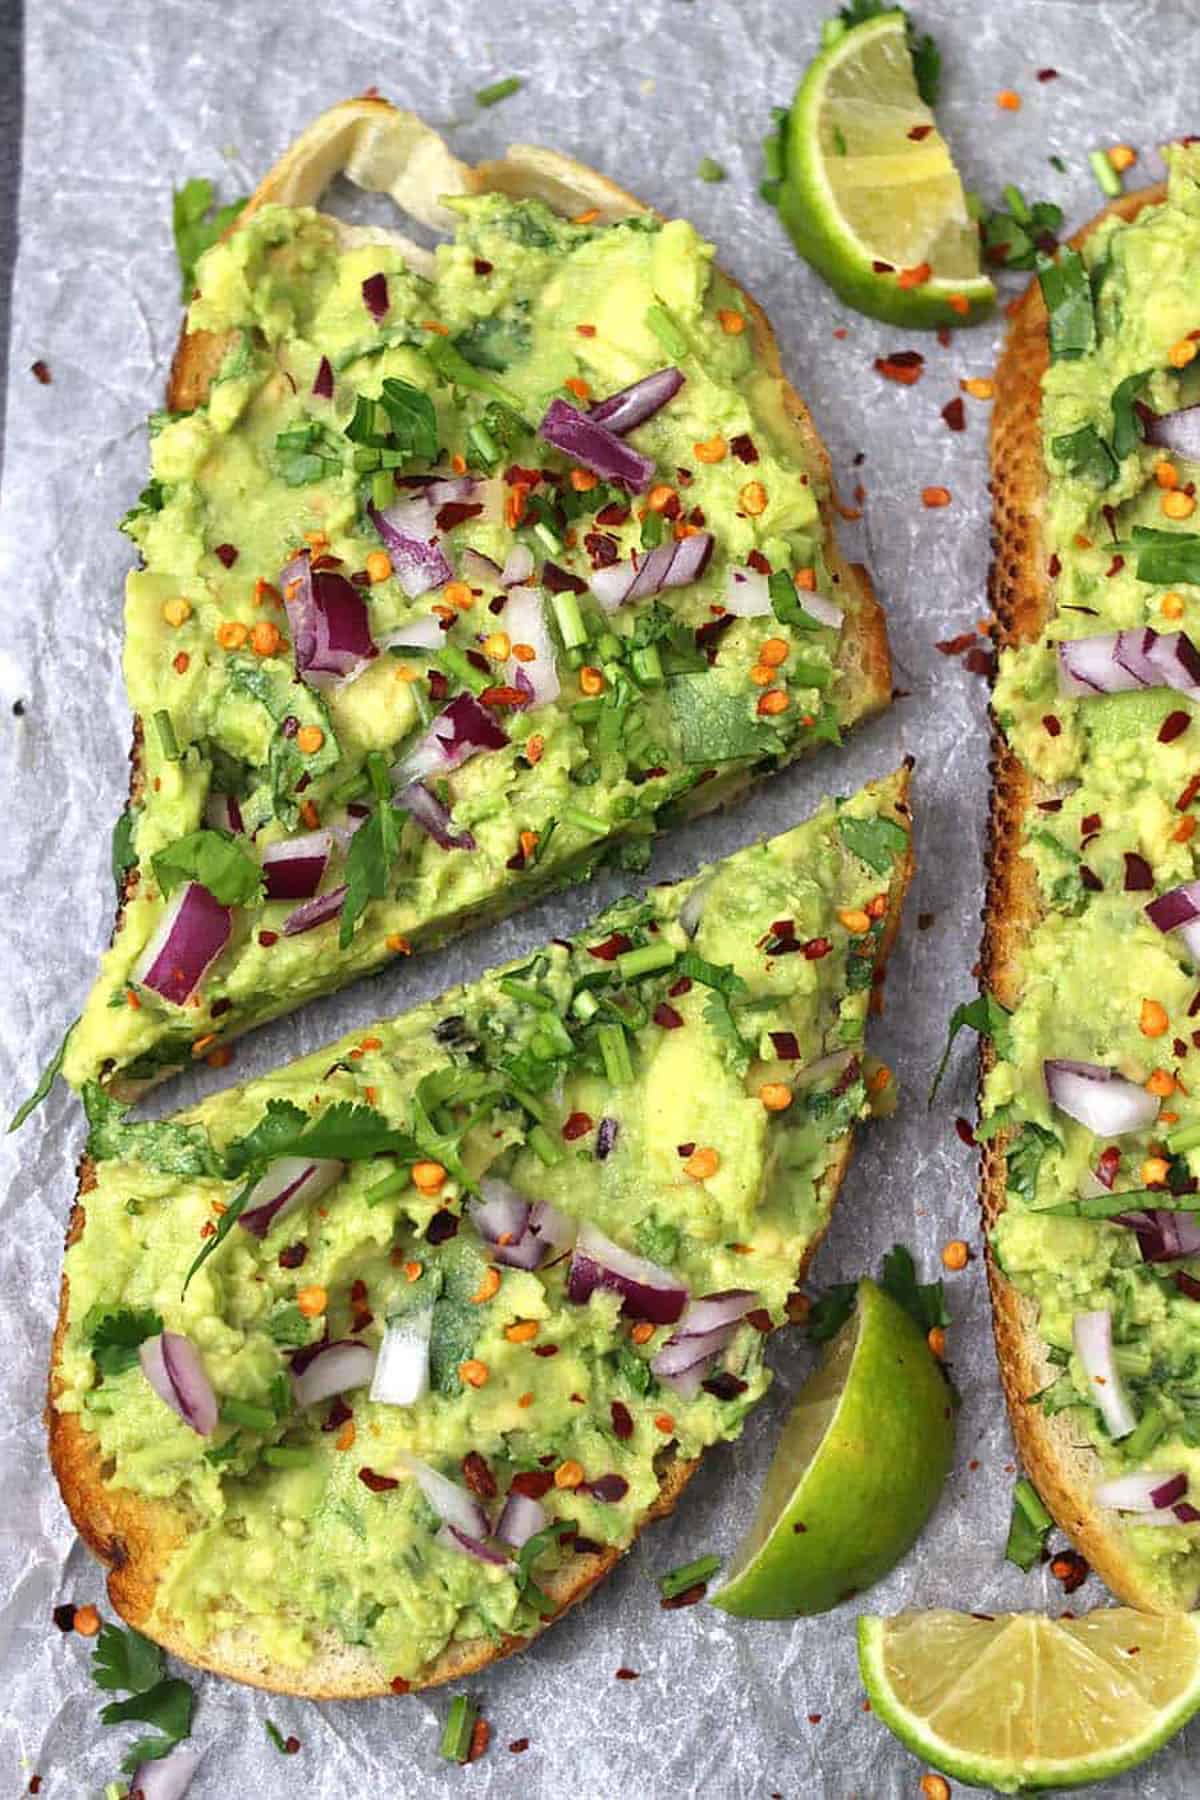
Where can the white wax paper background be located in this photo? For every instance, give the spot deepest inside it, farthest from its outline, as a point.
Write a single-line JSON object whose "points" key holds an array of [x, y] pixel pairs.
{"points": [[125, 98]]}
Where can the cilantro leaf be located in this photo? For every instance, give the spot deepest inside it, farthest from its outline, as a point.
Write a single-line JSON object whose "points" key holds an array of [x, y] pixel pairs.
{"points": [[721, 976], [1029, 1526], [46, 1081], [289, 1327], [115, 1334], [1128, 429], [167, 1706], [1014, 239], [829, 1313], [146, 1749], [373, 852], [348, 1131], [124, 856], [125, 1660], [217, 860], [196, 226], [1084, 452], [984, 1015], [735, 1050], [1067, 293], [714, 724], [787, 605], [877, 842], [284, 700], [923, 1302], [171, 1149], [1024, 1157], [307, 452], [1166, 556], [657, 1240], [531, 1549]]}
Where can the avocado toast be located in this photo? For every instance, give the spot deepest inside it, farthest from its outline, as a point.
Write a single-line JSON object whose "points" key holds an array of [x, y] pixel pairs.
{"points": [[550, 1220], [1089, 1114], [460, 571]]}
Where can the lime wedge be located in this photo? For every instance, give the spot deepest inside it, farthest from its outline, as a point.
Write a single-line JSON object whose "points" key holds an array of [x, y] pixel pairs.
{"points": [[856, 1474], [1018, 1701], [870, 195]]}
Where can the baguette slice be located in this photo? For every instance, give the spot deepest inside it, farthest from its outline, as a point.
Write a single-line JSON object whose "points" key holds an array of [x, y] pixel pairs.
{"points": [[1063, 1470], [384, 150], [137, 1537]]}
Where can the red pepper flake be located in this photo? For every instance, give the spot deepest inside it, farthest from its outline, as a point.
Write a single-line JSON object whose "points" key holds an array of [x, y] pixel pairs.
{"points": [[481, 1734], [1188, 795], [339, 1414], [883, 268], [622, 1419], [943, 336], [612, 514], [601, 548], [816, 948], [64, 1617], [1090, 825], [965, 1132], [611, 948], [760, 1318], [682, 986], [980, 662], [1115, 566], [1173, 726], [1047, 74], [439, 686], [743, 448], [783, 928], [786, 1046], [689, 1597], [293, 1256], [504, 696], [955, 414], [1053, 568], [956, 645], [667, 1017], [918, 133], [378, 1484], [577, 1125], [815, 1718], [1107, 1164], [1069, 1568], [1051, 725], [478, 1476], [226, 554], [41, 372], [482, 266], [904, 366], [1179, 1047], [545, 1349], [267, 938], [758, 562], [684, 1149], [1139, 877], [627, 1675], [1187, 1284], [1090, 879], [519, 1745]]}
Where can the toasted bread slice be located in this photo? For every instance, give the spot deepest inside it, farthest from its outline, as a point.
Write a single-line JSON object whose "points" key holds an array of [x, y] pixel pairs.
{"points": [[1063, 1470], [385, 150], [137, 1537]]}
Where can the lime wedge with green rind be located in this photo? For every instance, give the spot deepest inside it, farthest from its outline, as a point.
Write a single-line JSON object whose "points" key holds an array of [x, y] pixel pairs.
{"points": [[870, 195], [856, 1474], [1019, 1702]]}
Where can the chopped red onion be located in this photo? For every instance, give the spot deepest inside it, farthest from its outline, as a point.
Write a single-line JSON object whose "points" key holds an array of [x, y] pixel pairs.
{"points": [[1092, 1334], [459, 731], [525, 623], [671, 565], [322, 385], [454, 1539], [518, 566], [679, 1354], [595, 446], [647, 1290], [402, 1371], [1146, 1491], [712, 1312], [327, 616], [606, 1137], [375, 296], [523, 1236], [747, 594], [1178, 432], [522, 1518], [194, 931], [291, 1181], [1099, 1098], [293, 868], [477, 569], [172, 1366], [315, 912], [1120, 662], [1179, 910], [166, 1777], [433, 818], [409, 530], [631, 407], [610, 1488], [502, 1216], [334, 1369], [452, 1504], [222, 813], [1162, 1234], [424, 633]]}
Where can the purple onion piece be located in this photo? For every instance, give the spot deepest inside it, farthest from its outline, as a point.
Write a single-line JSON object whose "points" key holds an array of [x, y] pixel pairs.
{"points": [[632, 406], [172, 1366], [433, 818], [454, 1539], [294, 867], [193, 933], [671, 565], [322, 385], [1179, 906], [331, 1368], [1163, 1235], [409, 531], [609, 1488], [291, 1181], [315, 912], [166, 1777], [1178, 432], [606, 1137], [595, 446], [375, 296], [327, 617], [647, 1291], [522, 1518]]}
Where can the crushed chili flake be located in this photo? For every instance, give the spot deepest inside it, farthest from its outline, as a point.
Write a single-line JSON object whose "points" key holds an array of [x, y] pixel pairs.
{"points": [[689, 1597], [1139, 877], [516, 476], [545, 1349], [64, 1617], [1091, 824], [292, 1256], [1173, 726], [954, 413], [956, 645], [1053, 567], [883, 268], [518, 1745], [1047, 74], [482, 266], [533, 1483], [622, 1419], [786, 1046], [816, 948], [1115, 566], [965, 1132], [612, 514], [918, 132], [443, 1225], [684, 1149], [478, 1476], [1051, 726], [560, 581], [601, 548], [41, 372], [481, 1733], [758, 562], [226, 553], [682, 986], [1070, 1568], [743, 448], [627, 1675], [577, 1125], [612, 947], [439, 686], [666, 1017], [903, 366], [378, 1484], [1188, 795], [709, 635], [339, 1414]]}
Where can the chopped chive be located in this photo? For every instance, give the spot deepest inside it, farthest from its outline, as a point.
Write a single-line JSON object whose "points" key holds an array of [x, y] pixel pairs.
{"points": [[608, 646], [484, 445], [570, 620], [1015, 200], [241, 1412], [1056, 162], [647, 665], [455, 662], [544, 1146], [489, 96], [710, 170], [395, 1183], [1186, 1139], [383, 490], [688, 1575], [353, 789], [548, 536], [585, 1006], [645, 961], [166, 735], [584, 711], [586, 821], [524, 990], [1030, 1501], [614, 1048], [652, 530], [666, 330], [283, 1456], [1107, 179], [460, 1725], [1146, 1433]]}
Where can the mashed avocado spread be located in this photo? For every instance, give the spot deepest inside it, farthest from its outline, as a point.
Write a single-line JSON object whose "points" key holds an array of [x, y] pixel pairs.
{"points": [[678, 1079], [392, 667], [1113, 830]]}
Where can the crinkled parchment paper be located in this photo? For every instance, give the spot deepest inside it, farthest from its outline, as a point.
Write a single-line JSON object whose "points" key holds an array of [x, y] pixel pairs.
{"points": [[125, 98]]}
